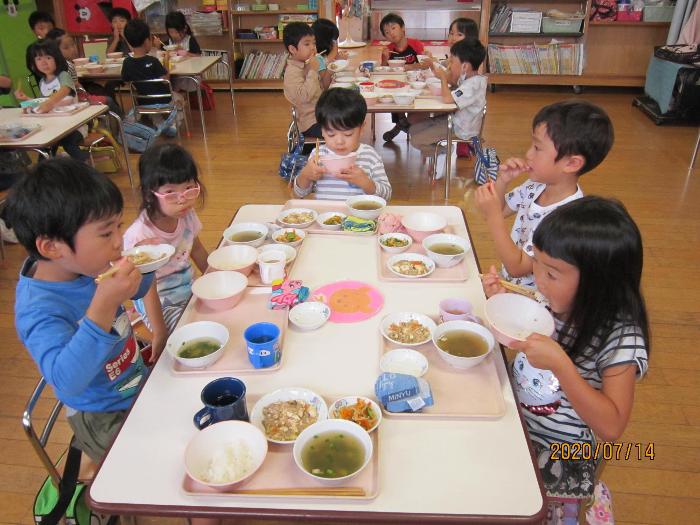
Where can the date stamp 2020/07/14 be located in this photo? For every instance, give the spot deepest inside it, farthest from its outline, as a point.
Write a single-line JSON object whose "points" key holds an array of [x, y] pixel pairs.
{"points": [[606, 451]]}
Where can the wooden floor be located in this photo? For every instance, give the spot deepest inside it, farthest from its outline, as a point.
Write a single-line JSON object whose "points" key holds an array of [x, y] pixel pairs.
{"points": [[647, 169]]}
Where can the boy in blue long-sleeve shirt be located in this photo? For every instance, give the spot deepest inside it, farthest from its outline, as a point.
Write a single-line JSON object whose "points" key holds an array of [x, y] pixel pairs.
{"points": [[68, 217]]}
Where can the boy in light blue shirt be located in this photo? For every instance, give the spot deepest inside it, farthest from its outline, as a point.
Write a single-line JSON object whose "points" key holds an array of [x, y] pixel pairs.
{"points": [[68, 217]]}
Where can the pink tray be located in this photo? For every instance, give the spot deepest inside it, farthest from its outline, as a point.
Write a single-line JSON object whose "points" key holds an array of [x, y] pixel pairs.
{"points": [[457, 394], [322, 206], [279, 477], [33, 130], [252, 309], [81, 107], [254, 276], [455, 274]]}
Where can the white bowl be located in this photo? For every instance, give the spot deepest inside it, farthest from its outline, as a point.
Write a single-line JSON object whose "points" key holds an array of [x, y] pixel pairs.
{"points": [[325, 216], [513, 317], [345, 79], [220, 290], [404, 317], [394, 249], [365, 214], [116, 54], [81, 62], [310, 315], [209, 444], [338, 65], [404, 361], [334, 410], [237, 257], [333, 425], [197, 330], [243, 227], [287, 394], [403, 98], [386, 99], [289, 252], [277, 236], [458, 361], [418, 84], [396, 62], [422, 223], [160, 253], [429, 263], [344, 85], [286, 213], [446, 261]]}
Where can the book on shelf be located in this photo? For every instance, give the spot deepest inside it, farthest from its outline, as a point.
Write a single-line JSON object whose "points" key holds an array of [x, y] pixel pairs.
{"points": [[261, 65], [555, 58], [500, 18]]}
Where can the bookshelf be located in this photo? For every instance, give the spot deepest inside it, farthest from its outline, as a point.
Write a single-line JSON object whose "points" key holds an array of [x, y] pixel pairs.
{"points": [[614, 53], [267, 51]]}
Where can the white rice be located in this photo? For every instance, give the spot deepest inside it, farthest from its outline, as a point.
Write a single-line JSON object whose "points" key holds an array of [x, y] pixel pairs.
{"points": [[229, 463]]}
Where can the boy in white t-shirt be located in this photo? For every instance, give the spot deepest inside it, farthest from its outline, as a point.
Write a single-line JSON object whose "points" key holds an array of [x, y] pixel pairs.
{"points": [[461, 84], [569, 138]]}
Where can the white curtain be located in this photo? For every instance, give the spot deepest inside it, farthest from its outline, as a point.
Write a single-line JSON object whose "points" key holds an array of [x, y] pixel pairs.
{"points": [[685, 25]]}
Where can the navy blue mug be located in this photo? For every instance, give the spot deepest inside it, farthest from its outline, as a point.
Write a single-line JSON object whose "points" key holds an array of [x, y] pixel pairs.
{"points": [[223, 399]]}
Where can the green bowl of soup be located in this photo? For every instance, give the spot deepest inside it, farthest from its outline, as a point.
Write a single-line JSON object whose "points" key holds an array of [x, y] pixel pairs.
{"points": [[463, 344], [446, 249], [198, 345], [333, 450], [366, 206]]}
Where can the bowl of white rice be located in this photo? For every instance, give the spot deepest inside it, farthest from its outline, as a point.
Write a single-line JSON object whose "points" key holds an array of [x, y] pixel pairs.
{"points": [[224, 454]]}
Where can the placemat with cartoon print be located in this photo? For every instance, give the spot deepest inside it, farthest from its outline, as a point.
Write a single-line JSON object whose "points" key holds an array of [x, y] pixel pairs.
{"points": [[349, 301]]}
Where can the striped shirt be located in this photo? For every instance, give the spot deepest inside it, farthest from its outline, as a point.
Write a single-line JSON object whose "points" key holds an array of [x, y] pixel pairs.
{"points": [[623, 345], [330, 188]]}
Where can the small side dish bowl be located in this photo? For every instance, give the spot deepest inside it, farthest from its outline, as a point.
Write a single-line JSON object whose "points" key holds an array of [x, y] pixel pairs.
{"points": [[191, 332], [310, 315], [236, 257], [458, 361], [404, 98], [220, 290], [446, 240], [95, 68], [513, 317], [288, 394], [404, 361], [292, 215], [338, 65], [403, 244], [420, 225], [344, 85], [396, 62], [333, 426], [418, 84], [223, 455], [290, 236], [368, 414], [386, 99], [156, 256], [434, 86], [366, 206], [114, 55], [243, 228], [289, 251], [408, 318], [322, 218], [334, 164], [412, 262]]}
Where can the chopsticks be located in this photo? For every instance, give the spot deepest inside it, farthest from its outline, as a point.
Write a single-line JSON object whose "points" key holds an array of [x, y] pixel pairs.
{"points": [[109, 273], [521, 290], [321, 491], [317, 153]]}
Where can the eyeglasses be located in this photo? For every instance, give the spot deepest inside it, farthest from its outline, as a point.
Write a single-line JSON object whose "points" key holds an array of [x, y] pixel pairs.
{"points": [[177, 196]]}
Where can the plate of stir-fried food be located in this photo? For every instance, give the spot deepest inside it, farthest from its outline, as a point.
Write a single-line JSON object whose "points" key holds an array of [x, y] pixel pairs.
{"points": [[284, 413], [149, 257], [297, 217], [407, 328], [358, 409], [411, 265]]}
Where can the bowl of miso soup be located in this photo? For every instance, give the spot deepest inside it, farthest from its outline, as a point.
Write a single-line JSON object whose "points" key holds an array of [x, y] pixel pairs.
{"points": [[199, 344], [446, 249], [250, 233], [366, 206], [463, 344], [333, 450]]}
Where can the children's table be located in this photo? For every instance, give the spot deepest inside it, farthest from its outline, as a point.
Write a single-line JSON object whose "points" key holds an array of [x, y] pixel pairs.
{"points": [[430, 470], [55, 127]]}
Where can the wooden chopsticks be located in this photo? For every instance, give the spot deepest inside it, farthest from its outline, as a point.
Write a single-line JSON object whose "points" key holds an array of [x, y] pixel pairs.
{"points": [[317, 152], [114, 269], [521, 290]]}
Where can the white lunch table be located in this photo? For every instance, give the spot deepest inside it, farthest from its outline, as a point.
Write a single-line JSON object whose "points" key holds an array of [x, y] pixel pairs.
{"points": [[54, 128], [431, 470]]}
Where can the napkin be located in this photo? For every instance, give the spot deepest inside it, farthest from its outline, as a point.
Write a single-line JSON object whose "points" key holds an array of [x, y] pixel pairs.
{"points": [[287, 293], [355, 224], [402, 392]]}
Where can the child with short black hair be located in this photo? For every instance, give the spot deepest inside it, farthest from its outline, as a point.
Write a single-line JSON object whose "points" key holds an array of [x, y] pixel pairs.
{"points": [[341, 113], [170, 189], [302, 84], [68, 217], [462, 85], [569, 139], [119, 17], [394, 30]]}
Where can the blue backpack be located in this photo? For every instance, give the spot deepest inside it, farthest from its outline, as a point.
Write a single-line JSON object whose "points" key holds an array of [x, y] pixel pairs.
{"points": [[487, 162], [292, 163]]}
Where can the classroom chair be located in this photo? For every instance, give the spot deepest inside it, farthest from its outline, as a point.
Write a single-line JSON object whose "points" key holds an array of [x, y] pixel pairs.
{"points": [[443, 144], [294, 135], [148, 104]]}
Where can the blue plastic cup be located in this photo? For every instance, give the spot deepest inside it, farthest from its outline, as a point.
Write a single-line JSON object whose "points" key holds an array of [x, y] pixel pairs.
{"points": [[94, 59], [263, 343], [224, 399], [367, 66]]}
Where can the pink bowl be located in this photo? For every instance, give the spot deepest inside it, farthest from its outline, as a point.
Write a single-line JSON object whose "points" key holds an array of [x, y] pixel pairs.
{"points": [[235, 257], [435, 88], [513, 317], [420, 225], [335, 164], [220, 290]]}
